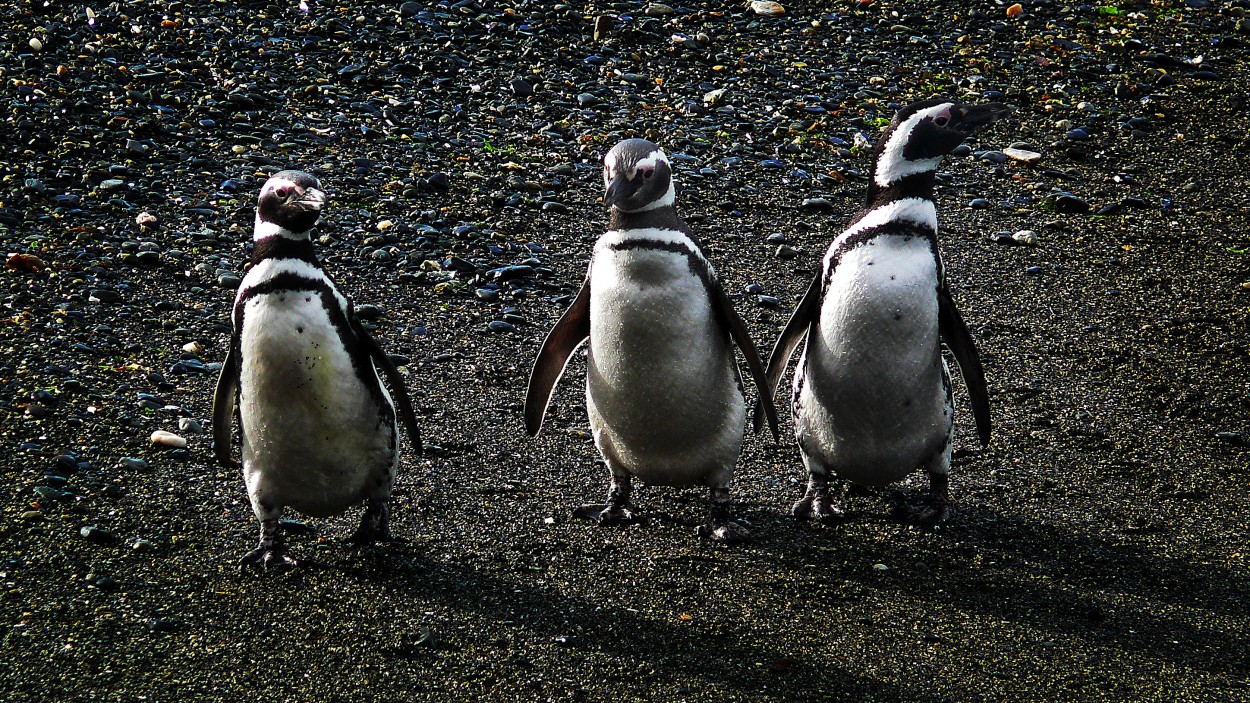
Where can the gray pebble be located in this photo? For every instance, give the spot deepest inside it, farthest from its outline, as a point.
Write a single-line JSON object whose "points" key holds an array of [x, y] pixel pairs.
{"points": [[785, 251], [189, 425], [501, 326], [980, 204], [95, 535]]}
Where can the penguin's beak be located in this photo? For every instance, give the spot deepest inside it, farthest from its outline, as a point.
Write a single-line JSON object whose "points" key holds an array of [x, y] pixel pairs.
{"points": [[974, 117], [313, 199], [620, 189]]}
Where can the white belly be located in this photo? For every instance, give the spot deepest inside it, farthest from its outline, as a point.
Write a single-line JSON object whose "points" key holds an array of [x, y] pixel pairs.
{"points": [[662, 389], [314, 438], [872, 406]]}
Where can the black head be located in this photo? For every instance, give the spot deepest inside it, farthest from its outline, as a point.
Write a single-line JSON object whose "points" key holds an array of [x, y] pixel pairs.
{"points": [[290, 200], [637, 176], [924, 132]]}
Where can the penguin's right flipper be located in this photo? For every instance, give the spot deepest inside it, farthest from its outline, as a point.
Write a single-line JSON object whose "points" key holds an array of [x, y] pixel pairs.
{"points": [[957, 337], [383, 363], [569, 332], [801, 321], [223, 410]]}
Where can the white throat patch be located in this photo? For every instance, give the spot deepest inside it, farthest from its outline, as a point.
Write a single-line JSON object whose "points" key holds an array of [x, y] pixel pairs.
{"points": [[270, 229], [892, 166]]}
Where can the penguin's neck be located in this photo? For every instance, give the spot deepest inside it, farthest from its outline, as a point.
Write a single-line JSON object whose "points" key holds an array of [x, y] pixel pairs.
{"points": [[279, 247], [664, 217], [914, 185]]}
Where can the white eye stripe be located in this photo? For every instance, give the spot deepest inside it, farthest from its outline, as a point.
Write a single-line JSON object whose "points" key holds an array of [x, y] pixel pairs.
{"points": [[893, 165]]}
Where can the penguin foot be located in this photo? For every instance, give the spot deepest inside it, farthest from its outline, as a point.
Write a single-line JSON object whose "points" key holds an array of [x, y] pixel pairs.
{"points": [[727, 532], [606, 514], [816, 505], [375, 525], [927, 514], [266, 557], [271, 553]]}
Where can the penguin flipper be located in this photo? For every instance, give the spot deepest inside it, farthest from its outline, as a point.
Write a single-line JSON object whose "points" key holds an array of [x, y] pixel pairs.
{"points": [[795, 331], [400, 389], [569, 332], [223, 410], [956, 336], [742, 338]]}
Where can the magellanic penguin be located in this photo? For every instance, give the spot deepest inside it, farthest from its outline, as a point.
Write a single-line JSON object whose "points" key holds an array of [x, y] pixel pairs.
{"points": [[663, 391], [872, 395], [319, 430]]}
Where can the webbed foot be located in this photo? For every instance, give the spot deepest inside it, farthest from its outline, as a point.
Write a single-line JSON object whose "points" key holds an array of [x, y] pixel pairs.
{"points": [[375, 524], [267, 558], [271, 553], [720, 525], [606, 514], [817, 505], [935, 508], [728, 532], [614, 511]]}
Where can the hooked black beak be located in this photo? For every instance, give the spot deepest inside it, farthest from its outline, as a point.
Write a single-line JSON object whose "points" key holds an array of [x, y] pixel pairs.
{"points": [[620, 189], [974, 117], [314, 199]]}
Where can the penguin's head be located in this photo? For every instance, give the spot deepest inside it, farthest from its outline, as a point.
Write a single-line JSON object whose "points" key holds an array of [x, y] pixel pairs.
{"points": [[637, 177], [290, 201], [922, 133]]}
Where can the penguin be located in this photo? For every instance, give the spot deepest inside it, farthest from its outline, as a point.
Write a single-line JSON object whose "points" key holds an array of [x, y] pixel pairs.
{"points": [[871, 398], [663, 391], [319, 430]]}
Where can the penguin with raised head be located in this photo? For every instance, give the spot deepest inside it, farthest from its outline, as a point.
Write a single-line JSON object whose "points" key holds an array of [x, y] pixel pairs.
{"points": [[319, 431], [872, 394], [663, 390]]}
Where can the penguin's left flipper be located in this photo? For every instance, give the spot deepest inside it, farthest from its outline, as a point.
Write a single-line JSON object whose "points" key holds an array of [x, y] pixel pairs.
{"points": [[956, 336], [569, 332], [795, 332], [223, 410], [396, 382], [738, 331]]}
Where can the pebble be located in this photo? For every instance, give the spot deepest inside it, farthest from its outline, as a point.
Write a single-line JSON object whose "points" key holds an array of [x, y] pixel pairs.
{"points": [[1069, 203], [657, 9], [817, 204], [980, 204], [521, 88], [142, 546], [96, 535], [785, 251], [168, 439], [1024, 156], [131, 462], [228, 281], [35, 44], [1026, 237], [501, 326], [768, 8], [189, 425], [768, 301]]}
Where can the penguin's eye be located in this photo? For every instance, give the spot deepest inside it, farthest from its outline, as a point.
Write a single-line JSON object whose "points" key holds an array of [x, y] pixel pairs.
{"points": [[282, 191], [647, 172], [941, 120]]}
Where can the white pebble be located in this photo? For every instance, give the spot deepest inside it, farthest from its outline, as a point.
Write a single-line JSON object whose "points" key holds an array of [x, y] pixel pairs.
{"points": [[193, 347], [1026, 237], [36, 44], [168, 439], [767, 7]]}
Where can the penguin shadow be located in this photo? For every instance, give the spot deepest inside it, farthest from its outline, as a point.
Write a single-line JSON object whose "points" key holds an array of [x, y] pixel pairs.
{"points": [[549, 616], [1086, 585]]}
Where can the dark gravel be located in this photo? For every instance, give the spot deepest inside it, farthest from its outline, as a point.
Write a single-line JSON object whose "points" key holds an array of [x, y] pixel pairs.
{"points": [[1097, 550]]}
